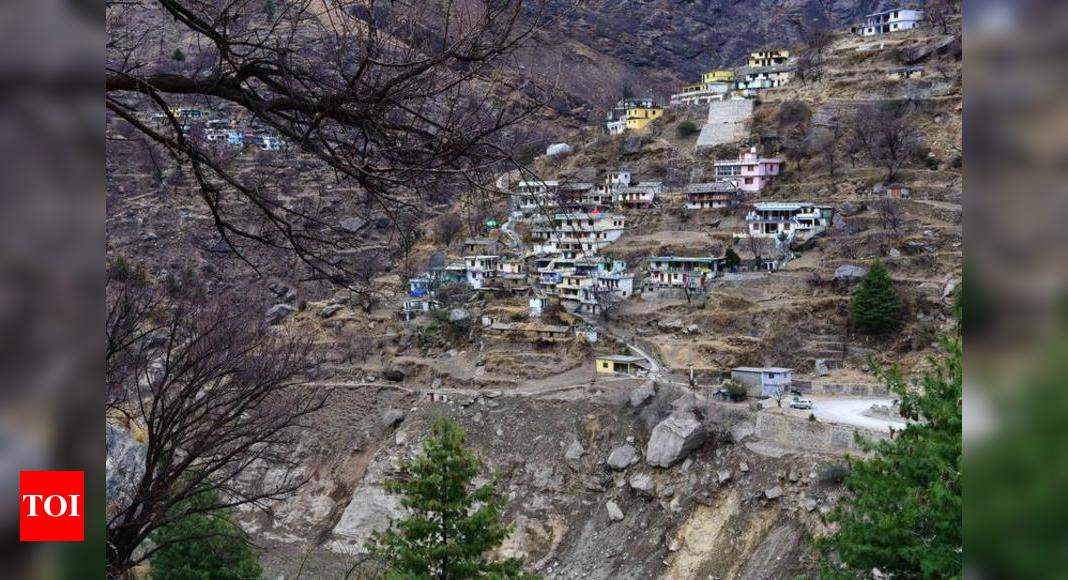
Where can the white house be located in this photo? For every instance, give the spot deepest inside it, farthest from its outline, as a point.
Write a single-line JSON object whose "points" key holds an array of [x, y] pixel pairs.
{"points": [[772, 219], [749, 171], [765, 381], [480, 268], [751, 80], [889, 21]]}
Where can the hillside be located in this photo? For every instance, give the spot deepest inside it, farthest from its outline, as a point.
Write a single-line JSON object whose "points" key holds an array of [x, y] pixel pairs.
{"points": [[650, 474]]}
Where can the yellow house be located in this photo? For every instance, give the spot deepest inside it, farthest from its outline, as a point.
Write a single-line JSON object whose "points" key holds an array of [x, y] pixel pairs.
{"points": [[718, 76], [639, 117], [768, 57], [621, 364]]}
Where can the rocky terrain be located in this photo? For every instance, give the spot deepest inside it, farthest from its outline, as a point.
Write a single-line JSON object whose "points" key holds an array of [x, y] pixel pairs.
{"points": [[608, 477]]}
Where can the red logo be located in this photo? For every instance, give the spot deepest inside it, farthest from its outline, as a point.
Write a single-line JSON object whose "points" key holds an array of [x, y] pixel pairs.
{"points": [[51, 506]]}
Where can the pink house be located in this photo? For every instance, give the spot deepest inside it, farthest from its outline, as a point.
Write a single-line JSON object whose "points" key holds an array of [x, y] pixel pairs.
{"points": [[750, 171]]}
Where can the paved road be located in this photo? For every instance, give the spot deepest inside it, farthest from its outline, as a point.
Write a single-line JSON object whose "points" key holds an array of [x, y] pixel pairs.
{"points": [[851, 412]]}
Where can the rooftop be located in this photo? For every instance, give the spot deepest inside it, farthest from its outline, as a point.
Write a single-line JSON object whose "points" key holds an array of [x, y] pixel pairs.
{"points": [[622, 358], [763, 369], [712, 187]]}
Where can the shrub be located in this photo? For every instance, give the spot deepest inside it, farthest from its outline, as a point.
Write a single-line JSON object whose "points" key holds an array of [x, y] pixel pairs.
{"points": [[204, 545], [736, 390], [686, 129]]}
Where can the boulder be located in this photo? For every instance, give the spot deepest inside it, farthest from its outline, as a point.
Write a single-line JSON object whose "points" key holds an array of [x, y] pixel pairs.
{"points": [[458, 314], [622, 457], [353, 224], [330, 310], [773, 492], [640, 395], [950, 288], [574, 451], [850, 273], [743, 467], [741, 432], [614, 513], [692, 329], [557, 149], [808, 504], [279, 312], [392, 418], [673, 438], [643, 483], [723, 476], [821, 368]]}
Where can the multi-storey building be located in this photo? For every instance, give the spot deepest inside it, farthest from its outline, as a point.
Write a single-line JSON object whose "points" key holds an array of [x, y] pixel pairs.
{"points": [[752, 80], [577, 234], [789, 219], [749, 171], [617, 115], [889, 21]]}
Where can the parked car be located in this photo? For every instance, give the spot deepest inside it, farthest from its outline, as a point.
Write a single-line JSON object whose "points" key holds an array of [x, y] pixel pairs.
{"points": [[800, 403]]}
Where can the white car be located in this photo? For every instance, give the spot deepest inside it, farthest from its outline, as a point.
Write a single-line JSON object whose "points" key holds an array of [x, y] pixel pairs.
{"points": [[800, 403]]}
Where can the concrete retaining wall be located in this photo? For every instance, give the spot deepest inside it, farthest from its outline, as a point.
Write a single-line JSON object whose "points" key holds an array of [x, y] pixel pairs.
{"points": [[814, 435], [726, 122]]}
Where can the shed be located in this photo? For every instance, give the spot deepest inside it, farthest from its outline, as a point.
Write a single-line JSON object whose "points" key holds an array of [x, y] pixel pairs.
{"points": [[621, 364]]}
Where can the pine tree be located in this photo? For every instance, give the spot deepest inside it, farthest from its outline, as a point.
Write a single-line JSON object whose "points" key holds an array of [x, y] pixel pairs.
{"points": [[876, 305], [905, 515], [731, 259], [207, 545], [178, 55], [451, 524]]}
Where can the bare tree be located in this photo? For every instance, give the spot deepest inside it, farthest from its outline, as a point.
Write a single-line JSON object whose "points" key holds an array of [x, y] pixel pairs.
{"points": [[941, 13], [396, 99], [216, 394], [887, 134], [891, 214], [447, 228]]}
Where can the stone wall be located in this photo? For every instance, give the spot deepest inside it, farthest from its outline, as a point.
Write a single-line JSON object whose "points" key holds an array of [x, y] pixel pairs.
{"points": [[726, 122], [813, 435]]}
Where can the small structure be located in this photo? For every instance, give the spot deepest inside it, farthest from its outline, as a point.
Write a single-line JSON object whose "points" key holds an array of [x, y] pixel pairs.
{"points": [[622, 364], [639, 117], [750, 171], [415, 307], [531, 331], [889, 21], [905, 72], [480, 246], [764, 381], [713, 195]]}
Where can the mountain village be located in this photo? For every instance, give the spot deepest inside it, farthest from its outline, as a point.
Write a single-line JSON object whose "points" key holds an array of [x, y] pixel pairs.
{"points": [[645, 330]]}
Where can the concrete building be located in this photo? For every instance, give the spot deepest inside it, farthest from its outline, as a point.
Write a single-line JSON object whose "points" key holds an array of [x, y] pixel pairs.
{"points": [[749, 171], [530, 331], [621, 364], [762, 58], [713, 195], [770, 219], [701, 93], [616, 117], [639, 117], [577, 234], [889, 21], [764, 381], [752, 80], [691, 273], [481, 268]]}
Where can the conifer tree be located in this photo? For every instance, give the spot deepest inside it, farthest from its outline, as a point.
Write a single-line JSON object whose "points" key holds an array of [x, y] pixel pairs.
{"points": [[905, 514], [452, 525], [876, 305], [731, 259]]}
